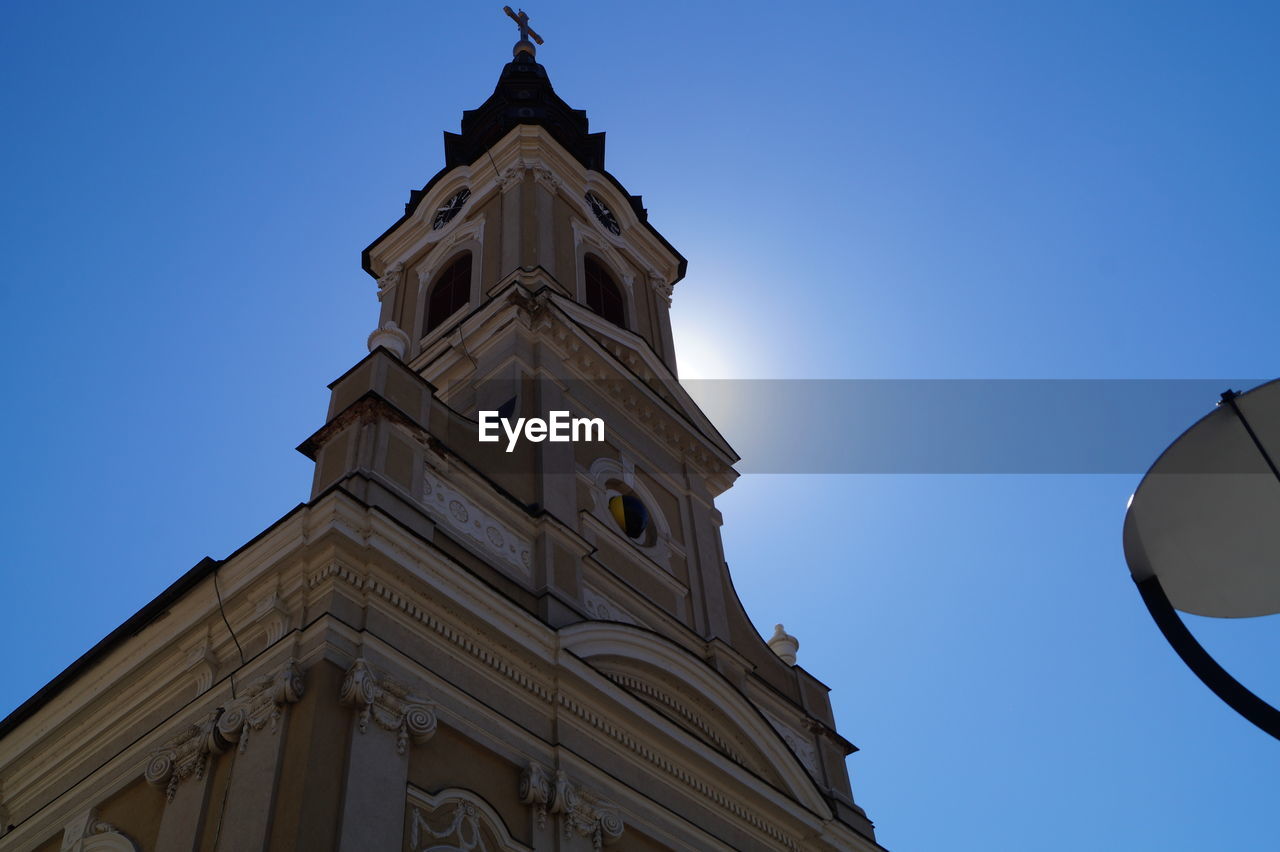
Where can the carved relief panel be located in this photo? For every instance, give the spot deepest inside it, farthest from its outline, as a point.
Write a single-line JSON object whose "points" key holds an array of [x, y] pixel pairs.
{"points": [[455, 820]]}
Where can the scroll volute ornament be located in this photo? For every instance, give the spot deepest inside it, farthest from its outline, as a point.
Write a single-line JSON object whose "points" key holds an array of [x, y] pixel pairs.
{"points": [[535, 791], [388, 704], [260, 703], [186, 754], [86, 833], [580, 810]]}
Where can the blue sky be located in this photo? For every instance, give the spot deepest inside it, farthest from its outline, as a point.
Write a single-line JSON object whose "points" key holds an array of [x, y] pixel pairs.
{"points": [[898, 190]]}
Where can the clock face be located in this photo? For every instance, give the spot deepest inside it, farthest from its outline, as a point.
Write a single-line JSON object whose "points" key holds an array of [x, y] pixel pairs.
{"points": [[446, 212], [603, 213]]}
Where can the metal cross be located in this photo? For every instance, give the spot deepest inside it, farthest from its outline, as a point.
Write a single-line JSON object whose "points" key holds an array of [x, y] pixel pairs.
{"points": [[522, 21]]}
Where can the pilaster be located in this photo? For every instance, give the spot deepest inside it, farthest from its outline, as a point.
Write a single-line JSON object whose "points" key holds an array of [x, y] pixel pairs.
{"points": [[260, 715], [387, 720]]}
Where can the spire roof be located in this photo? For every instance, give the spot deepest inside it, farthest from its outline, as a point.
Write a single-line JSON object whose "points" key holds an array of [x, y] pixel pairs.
{"points": [[524, 96]]}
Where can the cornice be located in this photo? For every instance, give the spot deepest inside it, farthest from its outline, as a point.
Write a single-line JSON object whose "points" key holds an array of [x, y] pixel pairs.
{"points": [[657, 402], [605, 356], [450, 630], [711, 792], [615, 645], [503, 659], [390, 566], [176, 650], [525, 149]]}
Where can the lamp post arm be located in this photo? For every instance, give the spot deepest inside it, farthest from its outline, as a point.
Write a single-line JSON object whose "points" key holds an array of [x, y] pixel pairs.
{"points": [[1205, 667]]}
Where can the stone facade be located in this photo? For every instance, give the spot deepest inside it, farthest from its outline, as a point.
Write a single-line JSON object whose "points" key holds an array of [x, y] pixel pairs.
{"points": [[450, 646]]}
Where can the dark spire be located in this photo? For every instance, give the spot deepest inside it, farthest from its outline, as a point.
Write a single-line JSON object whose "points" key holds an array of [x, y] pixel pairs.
{"points": [[523, 96]]}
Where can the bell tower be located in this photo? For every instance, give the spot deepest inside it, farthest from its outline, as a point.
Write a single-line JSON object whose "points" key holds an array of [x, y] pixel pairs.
{"points": [[457, 643], [523, 196], [524, 278]]}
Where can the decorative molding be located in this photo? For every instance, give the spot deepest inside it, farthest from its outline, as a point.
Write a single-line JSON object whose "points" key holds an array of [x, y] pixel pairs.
{"points": [[388, 703], [580, 810], [519, 675], [661, 286], [715, 794], [260, 704], [535, 791], [463, 827], [390, 279], [202, 664], [271, 613], [456, 820], [187, 753], [514, 174], [689, 718], [596, 241], [601, 608], [87, 833], [511, 176], [452, 235], [448, 243], [658, 421], [529, 144], [586, 813], [83, 825], [463, 639], [533, 309], [547, 178], [803, 747], [477, 527]]}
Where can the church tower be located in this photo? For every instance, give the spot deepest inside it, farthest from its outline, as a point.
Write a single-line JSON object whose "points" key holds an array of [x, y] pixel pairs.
{"points": [[456, 643]]}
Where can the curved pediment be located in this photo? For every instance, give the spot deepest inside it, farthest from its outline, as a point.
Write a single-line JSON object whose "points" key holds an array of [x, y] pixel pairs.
{"points": [[692, 695], [455, 820], [666, 695]]}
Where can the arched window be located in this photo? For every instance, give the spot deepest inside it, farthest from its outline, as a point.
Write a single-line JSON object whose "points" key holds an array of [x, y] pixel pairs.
{"points": [[603, 295], [449, 292]]}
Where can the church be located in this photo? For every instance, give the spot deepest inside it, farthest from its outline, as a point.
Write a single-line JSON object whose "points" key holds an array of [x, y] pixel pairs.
{"points": [[457, 643]]}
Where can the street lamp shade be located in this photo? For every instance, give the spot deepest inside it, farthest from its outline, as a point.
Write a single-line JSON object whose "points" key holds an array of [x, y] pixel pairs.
{"points": [[1205, 520]]}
